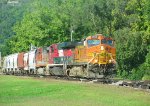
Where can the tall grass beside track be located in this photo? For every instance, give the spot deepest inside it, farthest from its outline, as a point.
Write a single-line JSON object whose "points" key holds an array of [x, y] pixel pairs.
{"points": [[25, 91]]}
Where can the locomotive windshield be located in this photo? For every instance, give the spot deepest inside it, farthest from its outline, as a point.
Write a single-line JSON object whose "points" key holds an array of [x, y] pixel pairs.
{"points": [[109, 42], [93, 42]]}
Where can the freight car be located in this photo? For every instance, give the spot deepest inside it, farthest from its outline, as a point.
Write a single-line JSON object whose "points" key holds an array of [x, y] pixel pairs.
{"points": [[93, 57]]}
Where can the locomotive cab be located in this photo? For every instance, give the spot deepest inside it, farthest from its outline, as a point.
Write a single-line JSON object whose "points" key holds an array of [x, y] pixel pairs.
{"points": [[101, 49]]}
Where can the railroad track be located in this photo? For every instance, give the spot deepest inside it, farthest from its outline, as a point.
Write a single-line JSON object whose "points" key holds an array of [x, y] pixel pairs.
{"points": [[141, 85]]}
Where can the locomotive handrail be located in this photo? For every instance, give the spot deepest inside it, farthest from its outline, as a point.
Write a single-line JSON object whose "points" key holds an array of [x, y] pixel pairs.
{"points": [[93, 58], [112, 58]]}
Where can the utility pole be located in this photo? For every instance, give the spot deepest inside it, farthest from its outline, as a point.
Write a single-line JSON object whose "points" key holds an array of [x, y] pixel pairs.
{"points": [[71, 35]]}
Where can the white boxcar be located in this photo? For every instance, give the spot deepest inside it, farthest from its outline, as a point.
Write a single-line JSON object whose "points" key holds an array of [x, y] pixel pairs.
{"points": [[8, 63], [11, 62], [15, 58], [25, 60], [32, 60], [4, 64]]}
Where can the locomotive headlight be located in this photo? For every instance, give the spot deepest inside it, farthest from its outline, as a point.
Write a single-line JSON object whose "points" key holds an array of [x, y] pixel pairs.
{"points": [[95, 61], [102, 47], [110, 61]]}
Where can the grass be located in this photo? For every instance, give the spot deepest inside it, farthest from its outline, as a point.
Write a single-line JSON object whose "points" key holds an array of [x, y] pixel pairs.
{"points": [[25, 91]]}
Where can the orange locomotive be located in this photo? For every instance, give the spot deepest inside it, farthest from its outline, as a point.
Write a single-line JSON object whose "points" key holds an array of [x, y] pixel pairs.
{"points": [[93, 58]]}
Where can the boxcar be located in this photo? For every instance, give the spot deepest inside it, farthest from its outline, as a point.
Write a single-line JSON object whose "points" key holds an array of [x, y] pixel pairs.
{"points": [[26, 61], [15, 67], [20, 62], [11, 63], [31, 60], [4, 65], [7, 64]]}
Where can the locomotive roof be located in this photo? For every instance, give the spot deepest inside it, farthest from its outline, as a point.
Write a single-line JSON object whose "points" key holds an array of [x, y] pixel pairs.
{"points": [[98, 36]]}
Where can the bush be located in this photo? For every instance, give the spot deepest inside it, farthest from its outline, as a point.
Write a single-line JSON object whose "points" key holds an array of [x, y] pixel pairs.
{"points": [[137, 74], [132, 53], [146, 77]]}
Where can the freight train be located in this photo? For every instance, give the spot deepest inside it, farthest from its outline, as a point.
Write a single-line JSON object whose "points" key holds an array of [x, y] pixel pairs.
{"points": [[93, 57]]}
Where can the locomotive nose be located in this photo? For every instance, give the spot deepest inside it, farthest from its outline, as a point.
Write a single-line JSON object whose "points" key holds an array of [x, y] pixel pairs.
{"points": [[104, 56], [105, 48]]}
